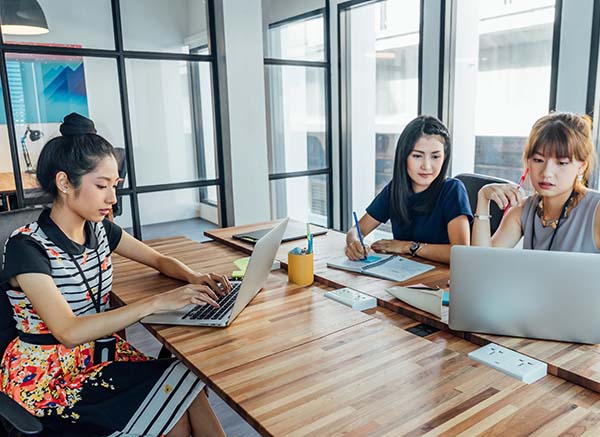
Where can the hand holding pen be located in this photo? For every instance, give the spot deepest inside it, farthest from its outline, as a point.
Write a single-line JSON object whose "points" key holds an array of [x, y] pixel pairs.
{"points": [[356, 250], [521, 183]]}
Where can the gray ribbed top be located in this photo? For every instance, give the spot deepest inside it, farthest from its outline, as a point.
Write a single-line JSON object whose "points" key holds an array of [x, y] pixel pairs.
{"points": [[575, 233]]}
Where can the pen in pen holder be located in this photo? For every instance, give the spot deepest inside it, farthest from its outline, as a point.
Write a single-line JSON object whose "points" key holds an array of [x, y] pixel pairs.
{"points": [[301, 267]]}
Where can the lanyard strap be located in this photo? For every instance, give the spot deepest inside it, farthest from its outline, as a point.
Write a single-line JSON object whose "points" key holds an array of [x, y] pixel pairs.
{"points": [[558, 223], [95, 299]]}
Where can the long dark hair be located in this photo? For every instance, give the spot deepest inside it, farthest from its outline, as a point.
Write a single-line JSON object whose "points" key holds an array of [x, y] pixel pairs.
{"points": [[77, 152], [401, 186]]}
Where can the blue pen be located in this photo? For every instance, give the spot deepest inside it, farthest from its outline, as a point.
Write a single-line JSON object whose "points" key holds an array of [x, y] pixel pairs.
{"points": [[359, 234]]}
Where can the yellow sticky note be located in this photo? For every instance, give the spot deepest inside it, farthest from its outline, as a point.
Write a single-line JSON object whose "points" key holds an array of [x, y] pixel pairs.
{"points": [[242, 264]]}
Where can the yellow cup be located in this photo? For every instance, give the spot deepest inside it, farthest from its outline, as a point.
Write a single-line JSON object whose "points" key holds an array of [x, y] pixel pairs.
{"points": [[301, 268]]}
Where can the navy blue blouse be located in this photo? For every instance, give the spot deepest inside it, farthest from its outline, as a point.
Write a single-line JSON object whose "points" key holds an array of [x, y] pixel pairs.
{"points": [[431, 227]]}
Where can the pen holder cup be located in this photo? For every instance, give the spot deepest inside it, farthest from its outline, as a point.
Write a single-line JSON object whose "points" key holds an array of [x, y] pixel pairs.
{"points": [[301, 268]]}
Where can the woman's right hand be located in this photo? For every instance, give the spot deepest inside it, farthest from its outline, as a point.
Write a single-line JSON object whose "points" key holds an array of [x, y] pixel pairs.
{"points": [[355, 251], [185, 295], [503, 194]]}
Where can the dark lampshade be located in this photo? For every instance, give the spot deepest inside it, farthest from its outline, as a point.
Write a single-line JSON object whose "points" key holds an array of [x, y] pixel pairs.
{"points": [[22, 17]]}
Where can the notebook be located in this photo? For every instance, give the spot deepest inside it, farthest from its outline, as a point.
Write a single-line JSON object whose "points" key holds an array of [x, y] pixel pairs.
{"points": [[392, 267]]}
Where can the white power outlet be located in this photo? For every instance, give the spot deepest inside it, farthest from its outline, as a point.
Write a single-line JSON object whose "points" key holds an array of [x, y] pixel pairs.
{"points": [[352, 298], [512, 363]]}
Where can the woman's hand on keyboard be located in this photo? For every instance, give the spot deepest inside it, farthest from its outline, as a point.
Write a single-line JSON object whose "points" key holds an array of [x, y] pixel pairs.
{"points": [[188, 294], [217, 283]]}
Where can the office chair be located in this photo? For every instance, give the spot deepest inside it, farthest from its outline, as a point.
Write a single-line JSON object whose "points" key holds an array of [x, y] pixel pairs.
{"points": [[122, 163], [473, 183], [16, 421]]}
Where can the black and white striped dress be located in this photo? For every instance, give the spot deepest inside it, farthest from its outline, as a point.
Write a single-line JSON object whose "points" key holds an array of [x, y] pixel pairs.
{"points": [[131, 396]]}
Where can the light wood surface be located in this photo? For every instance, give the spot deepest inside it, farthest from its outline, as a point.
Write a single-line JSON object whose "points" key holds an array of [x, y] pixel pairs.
{"points": [[7, 182], [296, 363], [576, 363]]}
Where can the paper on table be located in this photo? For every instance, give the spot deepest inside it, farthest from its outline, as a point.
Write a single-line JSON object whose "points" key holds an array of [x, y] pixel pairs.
{"points": [[242, 265], [427, 300]]}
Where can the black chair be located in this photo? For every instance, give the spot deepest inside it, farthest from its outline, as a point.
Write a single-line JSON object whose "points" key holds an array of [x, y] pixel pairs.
{"points": [[473, 183], [15, 419], [122, 162]]}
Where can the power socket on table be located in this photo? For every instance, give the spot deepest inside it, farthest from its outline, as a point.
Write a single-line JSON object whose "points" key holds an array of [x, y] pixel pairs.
{"points": [[352, 298], [512, 363]]}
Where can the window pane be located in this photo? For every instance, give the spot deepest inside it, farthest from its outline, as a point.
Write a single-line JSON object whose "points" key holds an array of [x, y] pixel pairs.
{"points": [[176, 213], [46, 88], [172, 121], [72, 23], [298, 39], [302, 198], [505, 49], [380, 60], [177, 26], [296, 105]]}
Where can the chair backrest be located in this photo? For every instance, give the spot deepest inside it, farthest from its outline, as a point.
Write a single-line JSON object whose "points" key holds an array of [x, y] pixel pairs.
{"points": [[9, 221], [473, 183], [122, 163]]}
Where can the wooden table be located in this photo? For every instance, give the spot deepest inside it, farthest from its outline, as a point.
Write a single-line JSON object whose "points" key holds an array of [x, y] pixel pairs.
{"points": [[7, 183], [296, 363], [577, 363]]}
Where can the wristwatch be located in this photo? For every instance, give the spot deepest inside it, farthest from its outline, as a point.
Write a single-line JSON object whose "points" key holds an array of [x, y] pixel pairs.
{"points": [[414, 247]]}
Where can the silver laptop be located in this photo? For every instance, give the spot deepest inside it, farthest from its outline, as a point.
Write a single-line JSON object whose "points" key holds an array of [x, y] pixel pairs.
{"points": [[242, 293], [525, 293]]}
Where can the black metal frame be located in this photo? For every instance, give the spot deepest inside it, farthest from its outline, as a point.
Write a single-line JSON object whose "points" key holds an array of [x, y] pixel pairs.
{"points": [[344, 149], [326, 65], [593, 67], [555, 54], [120, 55]]}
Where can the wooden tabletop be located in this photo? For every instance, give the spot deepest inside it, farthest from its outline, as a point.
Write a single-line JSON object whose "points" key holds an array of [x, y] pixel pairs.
{"points": [[296, 363], [7, 181], [574, 362]]}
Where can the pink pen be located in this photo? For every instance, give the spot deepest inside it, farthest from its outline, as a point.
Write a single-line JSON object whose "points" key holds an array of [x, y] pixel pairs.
{"points": [[521, 182]]}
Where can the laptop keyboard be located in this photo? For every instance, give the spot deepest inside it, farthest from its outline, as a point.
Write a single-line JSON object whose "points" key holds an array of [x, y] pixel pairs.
{"points": [[209, 312]]}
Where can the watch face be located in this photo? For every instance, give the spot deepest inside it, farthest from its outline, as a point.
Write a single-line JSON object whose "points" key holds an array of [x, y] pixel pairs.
{"points": [[414, 246]]}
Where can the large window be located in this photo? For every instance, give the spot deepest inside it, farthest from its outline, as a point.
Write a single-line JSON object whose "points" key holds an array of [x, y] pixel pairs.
{"points": [[297, 74], [502, 69], [380, 91], [148, 86]]}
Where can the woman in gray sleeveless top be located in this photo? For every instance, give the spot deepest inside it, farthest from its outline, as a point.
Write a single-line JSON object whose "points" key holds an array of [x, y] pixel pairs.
{"points": [[563, 214]]}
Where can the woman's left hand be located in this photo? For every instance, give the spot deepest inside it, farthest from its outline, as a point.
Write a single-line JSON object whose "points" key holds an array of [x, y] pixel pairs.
{"points": [[391, 246], [213, 280]]}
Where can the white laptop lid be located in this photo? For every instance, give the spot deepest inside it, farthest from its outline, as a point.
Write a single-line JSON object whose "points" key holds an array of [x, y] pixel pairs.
{"points": [[258, 267], [525, 293]]}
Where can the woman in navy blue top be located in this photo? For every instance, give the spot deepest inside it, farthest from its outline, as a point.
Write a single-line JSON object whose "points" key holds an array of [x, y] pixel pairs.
{"points": [[429, 212]]}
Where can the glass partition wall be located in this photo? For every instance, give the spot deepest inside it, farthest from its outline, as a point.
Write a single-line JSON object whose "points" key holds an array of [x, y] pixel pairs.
{"points": [[298, 113], [146, 80], [380, 92]]}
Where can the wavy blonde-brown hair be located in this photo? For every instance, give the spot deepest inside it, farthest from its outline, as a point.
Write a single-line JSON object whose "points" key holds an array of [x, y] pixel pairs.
{"points": [[563, 135]]}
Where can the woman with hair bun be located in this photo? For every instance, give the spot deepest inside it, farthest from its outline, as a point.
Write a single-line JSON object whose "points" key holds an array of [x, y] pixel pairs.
{"points": [[67, 366]]}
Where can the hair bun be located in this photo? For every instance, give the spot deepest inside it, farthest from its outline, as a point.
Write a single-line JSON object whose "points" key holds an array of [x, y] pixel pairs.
{"points": [[76, 124]]}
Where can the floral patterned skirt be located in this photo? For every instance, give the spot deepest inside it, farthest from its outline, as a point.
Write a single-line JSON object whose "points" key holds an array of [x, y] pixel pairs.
{"points": [[131, 396]]}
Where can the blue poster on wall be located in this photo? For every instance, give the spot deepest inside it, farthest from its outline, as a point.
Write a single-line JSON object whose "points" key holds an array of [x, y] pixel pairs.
{"points": [[45, 88]]}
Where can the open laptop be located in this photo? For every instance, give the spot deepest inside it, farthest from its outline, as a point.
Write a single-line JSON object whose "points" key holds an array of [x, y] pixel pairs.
{"points": [[240, 296], [525, 293]]}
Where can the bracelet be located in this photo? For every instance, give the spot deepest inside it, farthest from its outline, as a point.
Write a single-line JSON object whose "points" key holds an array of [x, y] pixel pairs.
{"points": [[420, 247], [482, 216]]}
